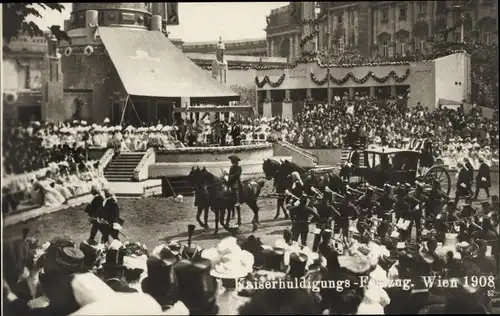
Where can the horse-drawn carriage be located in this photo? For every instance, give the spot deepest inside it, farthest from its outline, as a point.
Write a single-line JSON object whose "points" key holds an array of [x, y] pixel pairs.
{"points": [[393, 165]]}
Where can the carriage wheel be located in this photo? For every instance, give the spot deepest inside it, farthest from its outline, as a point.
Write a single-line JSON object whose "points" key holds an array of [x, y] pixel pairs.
{"points": [[441, 175]]}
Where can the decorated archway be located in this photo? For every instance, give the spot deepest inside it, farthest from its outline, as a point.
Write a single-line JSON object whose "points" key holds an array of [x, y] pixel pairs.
{"points": [[486, 29], [402, 39]]}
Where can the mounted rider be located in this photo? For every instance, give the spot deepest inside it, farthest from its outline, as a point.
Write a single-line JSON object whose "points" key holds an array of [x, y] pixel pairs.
{"points": [[234, 179]]}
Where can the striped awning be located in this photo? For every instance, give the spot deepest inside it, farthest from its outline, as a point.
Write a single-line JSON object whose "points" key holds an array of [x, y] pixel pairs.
{"points": [[150, 65]]}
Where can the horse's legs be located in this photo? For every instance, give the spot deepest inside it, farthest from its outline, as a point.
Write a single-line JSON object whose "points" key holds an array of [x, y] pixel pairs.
{"points": [[279, 204], [284, 208], [222, 213], [229, 211], [205, 217], [217, 216], [255, 208], [198, 214], [238, 209], [233, 215]]}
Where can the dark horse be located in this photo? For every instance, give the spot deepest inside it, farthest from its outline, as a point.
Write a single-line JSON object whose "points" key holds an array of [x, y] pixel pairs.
{"points": [[216, 195], [281, 174], [201, 197]]}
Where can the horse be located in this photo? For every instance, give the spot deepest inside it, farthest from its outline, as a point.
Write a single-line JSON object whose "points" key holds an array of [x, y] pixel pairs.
{"points": [[222, 199], [271, 169], [201, 198], [281, 174]]}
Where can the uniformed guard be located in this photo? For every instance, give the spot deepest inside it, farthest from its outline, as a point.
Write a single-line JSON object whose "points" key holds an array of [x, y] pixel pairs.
{"points": [[385, 204], [347, 211], [415, 201], [301, 215], [463, 183], [326, 213], [366, 202], [297, 185], [234, 180], [483, 180]]}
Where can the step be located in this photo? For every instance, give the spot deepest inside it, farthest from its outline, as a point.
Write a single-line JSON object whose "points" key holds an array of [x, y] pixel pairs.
{"points": [[121, 167], [110, 173]]}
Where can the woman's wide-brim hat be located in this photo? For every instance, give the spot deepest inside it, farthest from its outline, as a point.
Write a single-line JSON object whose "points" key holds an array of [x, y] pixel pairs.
{"points": [[234, 158]]}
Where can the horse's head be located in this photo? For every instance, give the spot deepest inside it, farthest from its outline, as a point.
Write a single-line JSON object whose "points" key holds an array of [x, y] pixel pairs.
{"points": [[270, 168], [194, 175]]}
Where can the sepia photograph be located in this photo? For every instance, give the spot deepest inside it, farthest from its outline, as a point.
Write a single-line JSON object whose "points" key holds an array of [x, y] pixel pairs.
{"points": [[250, 158]]}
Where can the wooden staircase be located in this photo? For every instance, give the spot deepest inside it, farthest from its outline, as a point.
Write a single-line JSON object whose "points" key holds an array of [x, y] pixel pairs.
{"points": [[173, 186], [121, 167]]}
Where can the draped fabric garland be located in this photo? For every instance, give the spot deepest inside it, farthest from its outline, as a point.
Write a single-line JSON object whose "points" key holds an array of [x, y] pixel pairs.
{"points": [[266, 80], [370, 74]]}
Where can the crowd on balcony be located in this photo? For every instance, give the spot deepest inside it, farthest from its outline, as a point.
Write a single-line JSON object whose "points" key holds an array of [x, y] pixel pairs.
{"points": [[455, 134]]}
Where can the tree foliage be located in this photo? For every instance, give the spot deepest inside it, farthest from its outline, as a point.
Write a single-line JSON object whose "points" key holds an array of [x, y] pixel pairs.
{"points": [[15, 19]]}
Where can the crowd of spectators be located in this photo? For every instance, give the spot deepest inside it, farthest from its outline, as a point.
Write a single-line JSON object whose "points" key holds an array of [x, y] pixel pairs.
{"points": [[61, 277], [452, 131]]}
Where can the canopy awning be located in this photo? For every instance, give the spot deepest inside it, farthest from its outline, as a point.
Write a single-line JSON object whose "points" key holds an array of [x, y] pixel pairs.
{"points": [[150, 65], [215, 108]]}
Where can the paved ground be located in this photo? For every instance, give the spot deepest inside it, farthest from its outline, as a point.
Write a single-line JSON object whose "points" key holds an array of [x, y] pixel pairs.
{"points": [[154, 220]]}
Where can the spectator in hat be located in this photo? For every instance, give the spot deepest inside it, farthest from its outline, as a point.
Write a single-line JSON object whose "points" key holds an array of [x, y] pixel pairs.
{"points": [[483, 180], [487, 264], [234, 180], [113, 270], [161, 282], [486, 233]]}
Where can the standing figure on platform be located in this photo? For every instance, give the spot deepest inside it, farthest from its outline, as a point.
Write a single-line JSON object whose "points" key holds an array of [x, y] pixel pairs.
{"points": [[483, 179], [92, 211], [224, 129], [236, 134], [217, 131]]}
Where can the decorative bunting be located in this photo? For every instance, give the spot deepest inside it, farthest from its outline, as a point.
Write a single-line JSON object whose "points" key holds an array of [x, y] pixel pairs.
{"points": [[266, 80], [362, 80]]}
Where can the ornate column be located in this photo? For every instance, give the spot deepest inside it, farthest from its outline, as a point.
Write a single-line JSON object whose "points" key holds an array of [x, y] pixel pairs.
{"points": [[290, 53], [372, 91], [53, 108], [347, 22], [329, 30], [266, 106], [268, 47], [297, 42], [393, 90], [351, 92], [271, 46]]}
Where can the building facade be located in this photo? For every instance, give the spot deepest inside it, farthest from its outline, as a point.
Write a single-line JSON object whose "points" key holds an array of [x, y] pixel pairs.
{"points": [[380, 28], [23, 72]]}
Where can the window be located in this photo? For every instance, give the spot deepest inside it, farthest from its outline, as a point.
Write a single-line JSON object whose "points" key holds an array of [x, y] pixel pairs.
{"points": [[456, 36], [391, 51], [385, 50], [402, 47], [341, 46], [487, 38], [339, 19], [421, 45], [352, 18], [385, 15], [456, 17], [422, 9], [402, 13]]}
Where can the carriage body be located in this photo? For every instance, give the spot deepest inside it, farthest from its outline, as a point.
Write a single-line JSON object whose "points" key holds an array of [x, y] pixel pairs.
{"points": [[394, 165]]}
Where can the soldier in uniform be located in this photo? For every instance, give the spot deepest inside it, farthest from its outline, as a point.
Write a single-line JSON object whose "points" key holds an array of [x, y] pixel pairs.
{"points": [[483, 180], [385, 204], [347, 211], [326, 213], [92, 210], [463, 183], [366, 202], [470, 172], [415, 200], [301, 215], [234, 180]]}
